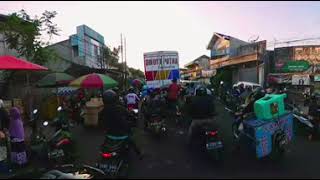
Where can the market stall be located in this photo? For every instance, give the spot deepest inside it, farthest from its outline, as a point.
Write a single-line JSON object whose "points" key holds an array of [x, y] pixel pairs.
{"points": [[94, 105]]}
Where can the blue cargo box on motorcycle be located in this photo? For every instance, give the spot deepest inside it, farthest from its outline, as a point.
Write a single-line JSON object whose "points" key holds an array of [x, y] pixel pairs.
{"points": [[262, 132]]}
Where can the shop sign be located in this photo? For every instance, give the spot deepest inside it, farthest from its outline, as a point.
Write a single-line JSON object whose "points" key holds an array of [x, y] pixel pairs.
{"points": [[317, 78], [301, 80], [296, 66]]}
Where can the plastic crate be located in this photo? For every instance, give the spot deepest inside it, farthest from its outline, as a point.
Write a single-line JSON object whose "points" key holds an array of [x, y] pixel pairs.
{"points": [[270, 106]]}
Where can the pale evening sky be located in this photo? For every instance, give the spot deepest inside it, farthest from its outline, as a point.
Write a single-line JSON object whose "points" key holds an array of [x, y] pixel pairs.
{"points": [[185, 27]]}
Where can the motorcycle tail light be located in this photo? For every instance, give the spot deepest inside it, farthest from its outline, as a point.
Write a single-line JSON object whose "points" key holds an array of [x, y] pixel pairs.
{"points": [[63, 142], [107, 155], [212, 133]]}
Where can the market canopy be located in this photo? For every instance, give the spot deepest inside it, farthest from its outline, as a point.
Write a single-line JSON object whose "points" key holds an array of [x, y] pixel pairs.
{"points": [[13, 63], [94, 80], [55, 80]]}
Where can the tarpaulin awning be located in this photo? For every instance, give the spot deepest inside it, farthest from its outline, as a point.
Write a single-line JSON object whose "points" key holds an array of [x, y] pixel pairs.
{"points": [[13, 63], [65, 91]]}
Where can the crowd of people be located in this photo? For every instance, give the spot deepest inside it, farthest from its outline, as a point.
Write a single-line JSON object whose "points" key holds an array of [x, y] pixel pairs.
{"points": [[192, 100]]}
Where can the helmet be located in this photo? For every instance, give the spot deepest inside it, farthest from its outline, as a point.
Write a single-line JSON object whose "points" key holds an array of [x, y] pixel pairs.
{"points": [[131, 90], [201, 91], [260, 93], [109, 97], [174, 80], [221, 82], [145, 87], [150, 90]]}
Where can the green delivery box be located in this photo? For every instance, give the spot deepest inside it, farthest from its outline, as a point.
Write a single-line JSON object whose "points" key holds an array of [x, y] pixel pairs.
{"points": [[269, 107]]}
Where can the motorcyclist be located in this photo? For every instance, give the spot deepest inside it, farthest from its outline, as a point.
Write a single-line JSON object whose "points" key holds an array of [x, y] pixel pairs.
{"points": [[241, 88], [132, 99], [253, 97], [314, 112], [154, 105], [116, 119], [201, 109]]}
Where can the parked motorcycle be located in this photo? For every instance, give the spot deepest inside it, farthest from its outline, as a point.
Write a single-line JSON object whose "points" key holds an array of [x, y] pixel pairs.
{"points": [[67, 171], [59, 147]]}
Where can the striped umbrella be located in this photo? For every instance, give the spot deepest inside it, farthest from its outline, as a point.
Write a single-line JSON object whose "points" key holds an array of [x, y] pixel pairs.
{"points": [[94, 80]]}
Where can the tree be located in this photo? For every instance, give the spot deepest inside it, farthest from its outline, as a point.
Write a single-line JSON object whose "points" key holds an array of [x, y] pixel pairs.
{"points": [[23, 34]]}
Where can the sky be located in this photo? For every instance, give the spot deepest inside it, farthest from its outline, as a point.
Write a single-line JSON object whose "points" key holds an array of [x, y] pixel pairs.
{"points": [[180, 26]]}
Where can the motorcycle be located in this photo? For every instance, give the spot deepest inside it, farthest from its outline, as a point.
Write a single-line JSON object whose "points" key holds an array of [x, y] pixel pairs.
{"points": [[156, 124], [114, 156], [59, 147], [67, 171], [209, 140], [134, 113]]}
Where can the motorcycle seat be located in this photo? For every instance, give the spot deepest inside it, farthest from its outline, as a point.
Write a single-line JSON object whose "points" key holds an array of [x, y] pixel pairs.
{"points": [[120, 138]]}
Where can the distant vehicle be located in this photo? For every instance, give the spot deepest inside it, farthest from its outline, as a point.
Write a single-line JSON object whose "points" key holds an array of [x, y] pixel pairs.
{"points": [[245, 83]]}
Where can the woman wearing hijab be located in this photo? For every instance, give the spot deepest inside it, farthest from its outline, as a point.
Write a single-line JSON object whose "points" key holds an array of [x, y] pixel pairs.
{"points": [[16, 130]]}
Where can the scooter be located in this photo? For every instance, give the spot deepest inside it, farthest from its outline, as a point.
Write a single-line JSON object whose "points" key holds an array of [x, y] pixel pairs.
{"points": [[299, 115], [209, 140], [156, 124], [59, 147], [67, 171]]}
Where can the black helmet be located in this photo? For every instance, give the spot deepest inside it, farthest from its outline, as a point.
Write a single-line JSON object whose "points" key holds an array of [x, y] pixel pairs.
{"points": [[201, 91], [131, 90], [109, 97], [260, 93]]}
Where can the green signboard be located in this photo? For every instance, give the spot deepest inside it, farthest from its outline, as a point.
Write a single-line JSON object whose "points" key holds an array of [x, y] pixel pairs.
{"points": [[296, 66]]}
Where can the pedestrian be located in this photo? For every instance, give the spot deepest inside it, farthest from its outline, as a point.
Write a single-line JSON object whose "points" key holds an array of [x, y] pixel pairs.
{"points": [[16, 131], [4, 117]]}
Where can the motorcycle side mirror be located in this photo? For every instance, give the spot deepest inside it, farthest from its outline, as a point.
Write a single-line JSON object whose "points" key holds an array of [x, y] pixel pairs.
{"points": [[45, 123], [35, 111], [59, 108]]}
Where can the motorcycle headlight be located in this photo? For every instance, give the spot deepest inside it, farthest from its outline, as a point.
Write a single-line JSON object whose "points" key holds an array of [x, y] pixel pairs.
{"points": [[136, 111], [35, 111]]}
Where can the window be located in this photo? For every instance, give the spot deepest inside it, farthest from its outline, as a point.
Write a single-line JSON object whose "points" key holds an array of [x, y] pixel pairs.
{"points": [[95, 49], [75, 51]]}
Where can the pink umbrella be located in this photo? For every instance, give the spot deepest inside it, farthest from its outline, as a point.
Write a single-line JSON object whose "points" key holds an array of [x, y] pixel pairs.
{"points": [[13, 63]]}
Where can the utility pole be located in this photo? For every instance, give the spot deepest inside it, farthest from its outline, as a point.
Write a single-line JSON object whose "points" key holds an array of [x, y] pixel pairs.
{"points": [[125, 60], [122, 78]]}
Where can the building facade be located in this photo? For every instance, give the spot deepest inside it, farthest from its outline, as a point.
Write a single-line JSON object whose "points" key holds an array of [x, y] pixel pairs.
{"points": [[198, 69], [245, 60], [296, 65], [84, 48]]}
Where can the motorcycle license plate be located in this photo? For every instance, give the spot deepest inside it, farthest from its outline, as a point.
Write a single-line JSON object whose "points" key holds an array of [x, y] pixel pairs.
{"points": [[109, 168], [56, 153], [214, 145]]}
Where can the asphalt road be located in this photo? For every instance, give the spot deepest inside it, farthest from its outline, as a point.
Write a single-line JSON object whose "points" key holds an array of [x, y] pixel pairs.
{"points": [[169, 156]]}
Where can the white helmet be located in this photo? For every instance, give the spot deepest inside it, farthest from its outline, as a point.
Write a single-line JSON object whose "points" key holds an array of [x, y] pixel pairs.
{"points": [[221, 82]]}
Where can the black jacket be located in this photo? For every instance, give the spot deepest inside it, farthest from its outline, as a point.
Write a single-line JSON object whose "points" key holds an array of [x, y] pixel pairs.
{"points": [[4, 119], [115, 120], [200, 107]]}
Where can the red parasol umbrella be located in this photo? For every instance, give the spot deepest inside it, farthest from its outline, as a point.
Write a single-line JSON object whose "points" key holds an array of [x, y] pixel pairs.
{"points": [[13, 63]]}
